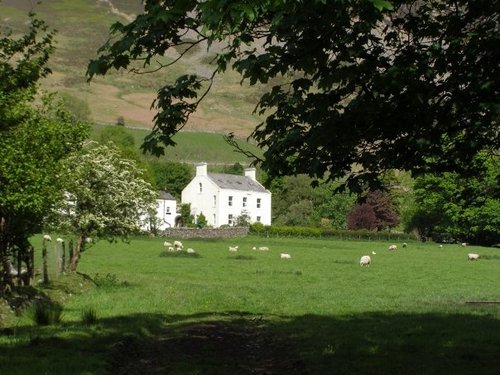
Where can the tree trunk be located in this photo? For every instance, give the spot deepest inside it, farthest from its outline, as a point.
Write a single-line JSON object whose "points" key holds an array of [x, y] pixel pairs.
{"points": [[45, 269], [80, 243], [63, 257], [6, 277]]}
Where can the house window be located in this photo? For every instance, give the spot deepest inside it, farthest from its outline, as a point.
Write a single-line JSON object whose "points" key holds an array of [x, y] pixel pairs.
{"points": [[230, 219], [215, 200], [244, 201], [201, 188], [230, 201], [168, 211], [258, 219], [258, 202]]}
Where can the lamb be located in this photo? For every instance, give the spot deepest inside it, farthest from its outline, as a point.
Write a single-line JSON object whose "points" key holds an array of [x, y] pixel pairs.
{"points": [[365, 260], [178, 245], [167, 244], [464, 244], [405, 244], [190, 251], [473, 256], [374, 253], [233, 248], [171, 249], [254, 248], [440, 246], [263, 248], [393, 248], [285, 256]]}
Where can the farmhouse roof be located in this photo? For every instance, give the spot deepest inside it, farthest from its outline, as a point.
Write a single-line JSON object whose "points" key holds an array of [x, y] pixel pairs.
{"points": [[165, 196], [234, 182]]}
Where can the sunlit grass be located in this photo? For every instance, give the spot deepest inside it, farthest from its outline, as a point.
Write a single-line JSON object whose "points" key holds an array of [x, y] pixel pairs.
{"points": [[413, 300]]}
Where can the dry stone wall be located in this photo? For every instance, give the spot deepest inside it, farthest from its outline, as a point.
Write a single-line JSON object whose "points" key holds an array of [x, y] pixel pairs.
{"points": [[183, 233]]}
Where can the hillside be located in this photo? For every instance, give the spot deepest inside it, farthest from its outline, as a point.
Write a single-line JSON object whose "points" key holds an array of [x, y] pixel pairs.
{"points": [[82, 27]]}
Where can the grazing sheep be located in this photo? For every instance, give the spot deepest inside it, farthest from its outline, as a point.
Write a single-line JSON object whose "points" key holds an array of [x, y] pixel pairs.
{"points": [[473, 256], [263, 248], [178, 245], [190, 251], [233, 248], [285, 256], [374, 253], [393, 247], [405, 244], [254, 248], [440, 246], [171, 249], [464, 244], [167, 244], [365, 260]]}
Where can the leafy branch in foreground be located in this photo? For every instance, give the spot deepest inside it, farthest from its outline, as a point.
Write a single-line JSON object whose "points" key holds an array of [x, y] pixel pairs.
{"points": [[374, 84]]}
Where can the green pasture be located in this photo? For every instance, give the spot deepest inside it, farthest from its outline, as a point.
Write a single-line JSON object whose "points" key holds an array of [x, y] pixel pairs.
{"points": [[195, 147], [218, 312]]}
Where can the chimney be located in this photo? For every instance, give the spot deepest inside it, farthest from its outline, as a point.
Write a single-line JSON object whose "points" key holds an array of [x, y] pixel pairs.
{"points": [[201, 169], [250, 172]]}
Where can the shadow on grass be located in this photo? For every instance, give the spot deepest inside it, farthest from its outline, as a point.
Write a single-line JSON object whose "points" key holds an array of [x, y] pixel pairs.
{"points": [[243, 343]]}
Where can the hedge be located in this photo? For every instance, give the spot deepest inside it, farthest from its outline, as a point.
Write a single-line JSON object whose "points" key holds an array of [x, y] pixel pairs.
{"points": [[286, 231]]}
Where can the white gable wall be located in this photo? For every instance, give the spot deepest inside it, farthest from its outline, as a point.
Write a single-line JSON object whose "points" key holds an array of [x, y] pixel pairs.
{"points": [[200, 192]]}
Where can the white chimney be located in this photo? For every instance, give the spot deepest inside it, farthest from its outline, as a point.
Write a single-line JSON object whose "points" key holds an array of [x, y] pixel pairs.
{"points": [[201, 169], [250, 172]]}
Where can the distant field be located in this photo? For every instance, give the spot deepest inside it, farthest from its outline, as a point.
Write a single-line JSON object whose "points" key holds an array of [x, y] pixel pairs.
{"points": [[317, 313], [82, 27], [194, 147]]}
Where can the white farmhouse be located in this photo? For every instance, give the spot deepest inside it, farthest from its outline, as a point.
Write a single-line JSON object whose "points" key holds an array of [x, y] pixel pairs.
{"points": [[223, 197], [166, 211]]}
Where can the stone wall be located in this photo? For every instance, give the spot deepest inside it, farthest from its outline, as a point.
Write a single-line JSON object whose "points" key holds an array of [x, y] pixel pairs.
{"points": [[182, 233]]}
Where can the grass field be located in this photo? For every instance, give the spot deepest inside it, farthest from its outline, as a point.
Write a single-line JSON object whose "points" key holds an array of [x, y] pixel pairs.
{"points": [[251, 312], [193, 147]]}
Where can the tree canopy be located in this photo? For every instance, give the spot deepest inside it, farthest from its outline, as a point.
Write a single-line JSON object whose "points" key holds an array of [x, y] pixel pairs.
{"points": [[375, 84], [451, 207], [35, 135], [105, 196]]}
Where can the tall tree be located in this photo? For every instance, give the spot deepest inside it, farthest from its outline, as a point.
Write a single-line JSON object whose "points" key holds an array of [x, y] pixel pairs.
{"points": [[380, 84], [464, 209], [105, 197], [33, 141]]}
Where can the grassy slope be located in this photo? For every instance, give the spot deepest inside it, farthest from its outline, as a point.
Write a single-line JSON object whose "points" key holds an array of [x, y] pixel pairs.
{"points": [[330, 311], [83, 27]]}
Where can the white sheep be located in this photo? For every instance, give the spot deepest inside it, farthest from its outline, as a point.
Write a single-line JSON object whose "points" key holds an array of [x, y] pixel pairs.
{"points": [[178, 245], [393, 247], [440, 246], [263, 248], [365, 260], [464, 244], [285, 256], [473, 256], [254, 248], [233, 248], [171, 249], [374, 253], [167, 244], [190, 251], [46, 237], [60, 240], [405, 244]]}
